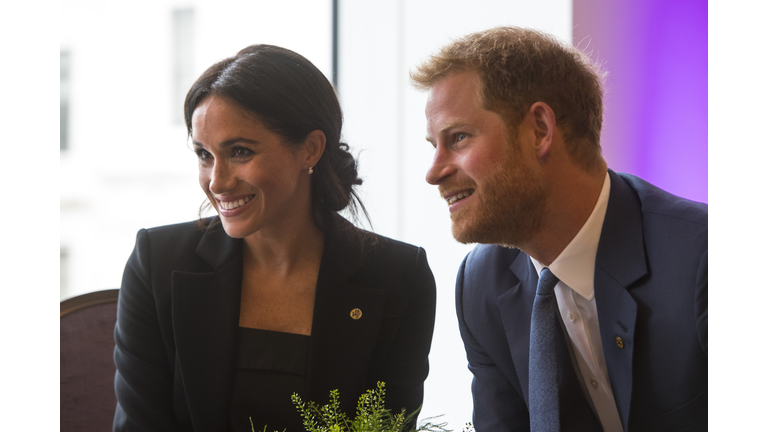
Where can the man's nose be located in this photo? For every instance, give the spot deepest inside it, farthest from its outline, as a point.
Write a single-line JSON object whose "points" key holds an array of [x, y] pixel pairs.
{"points": [[441, 167]]}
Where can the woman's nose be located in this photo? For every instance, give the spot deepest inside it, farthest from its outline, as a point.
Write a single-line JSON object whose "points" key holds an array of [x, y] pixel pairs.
{"points": [[222, 178]]}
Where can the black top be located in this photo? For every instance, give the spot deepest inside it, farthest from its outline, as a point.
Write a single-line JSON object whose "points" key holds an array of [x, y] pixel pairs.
{"points": [[270, 367]]}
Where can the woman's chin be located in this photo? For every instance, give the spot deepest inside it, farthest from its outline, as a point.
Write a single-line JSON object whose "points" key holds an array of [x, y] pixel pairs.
{"points": [[235, 230]]}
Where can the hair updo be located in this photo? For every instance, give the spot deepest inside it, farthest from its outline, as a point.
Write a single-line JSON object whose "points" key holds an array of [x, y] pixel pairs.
{"points": [[292, 98]]}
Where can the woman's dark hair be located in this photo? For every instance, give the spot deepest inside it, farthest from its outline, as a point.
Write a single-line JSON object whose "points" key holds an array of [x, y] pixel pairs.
{"points": [[292, 98]]}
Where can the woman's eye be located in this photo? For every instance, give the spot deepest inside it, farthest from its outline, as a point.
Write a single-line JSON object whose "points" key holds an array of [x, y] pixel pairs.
{"points": [[241, 152], [203, 154]]}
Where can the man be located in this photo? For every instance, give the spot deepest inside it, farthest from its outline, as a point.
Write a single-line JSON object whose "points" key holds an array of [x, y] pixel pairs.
{"points": [[515, 119]]}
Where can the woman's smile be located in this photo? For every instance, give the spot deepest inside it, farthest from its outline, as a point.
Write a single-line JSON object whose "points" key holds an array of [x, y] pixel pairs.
{"points": [[230, 203]]}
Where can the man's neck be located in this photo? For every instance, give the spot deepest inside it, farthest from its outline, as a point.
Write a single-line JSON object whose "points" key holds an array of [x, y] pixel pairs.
{"points": [[573, 197]]}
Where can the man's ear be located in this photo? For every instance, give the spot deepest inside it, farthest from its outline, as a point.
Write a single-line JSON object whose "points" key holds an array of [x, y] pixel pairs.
{"points": [[543, 122], [314, 145]]}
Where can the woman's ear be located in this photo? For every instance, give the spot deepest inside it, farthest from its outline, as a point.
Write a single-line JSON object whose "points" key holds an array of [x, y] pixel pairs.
{"points": [[314, 145], [543, 121]]}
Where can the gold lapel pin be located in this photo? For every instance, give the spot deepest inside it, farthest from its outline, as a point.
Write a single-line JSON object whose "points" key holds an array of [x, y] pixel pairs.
{"points": [[619, 342], [356, 314]]}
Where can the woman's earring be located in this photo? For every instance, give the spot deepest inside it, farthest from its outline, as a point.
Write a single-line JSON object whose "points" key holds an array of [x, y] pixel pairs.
{"points": [[310, 170]]}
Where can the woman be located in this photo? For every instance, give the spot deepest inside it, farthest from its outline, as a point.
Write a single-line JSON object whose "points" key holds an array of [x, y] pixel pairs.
{"points": [[221, 320]]}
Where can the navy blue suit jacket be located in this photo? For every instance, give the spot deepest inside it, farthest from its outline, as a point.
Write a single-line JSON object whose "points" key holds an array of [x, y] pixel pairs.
{"points": [[650, 291], [178, 316]]}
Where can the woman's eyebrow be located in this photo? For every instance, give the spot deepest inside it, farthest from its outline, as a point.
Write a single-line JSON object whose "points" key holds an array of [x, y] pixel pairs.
{"points": [[230, 142]]}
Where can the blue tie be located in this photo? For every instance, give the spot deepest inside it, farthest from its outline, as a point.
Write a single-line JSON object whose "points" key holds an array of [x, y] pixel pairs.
{"points": [[543, 398]]}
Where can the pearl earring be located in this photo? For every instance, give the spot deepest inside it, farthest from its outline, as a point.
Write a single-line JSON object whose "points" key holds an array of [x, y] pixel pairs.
{"points": [[310, 170]]}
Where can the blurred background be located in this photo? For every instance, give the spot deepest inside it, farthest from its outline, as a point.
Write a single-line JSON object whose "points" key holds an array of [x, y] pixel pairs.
{"points": [[125, 163]]}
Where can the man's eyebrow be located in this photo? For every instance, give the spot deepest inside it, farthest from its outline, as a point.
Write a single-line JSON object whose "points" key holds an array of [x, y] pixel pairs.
{"points": [[445, 127], [453, 124], [230, 142]]}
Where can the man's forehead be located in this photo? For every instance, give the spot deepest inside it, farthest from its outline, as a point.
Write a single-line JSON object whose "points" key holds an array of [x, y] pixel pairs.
{"points": [[465, 83], [452, 92]]}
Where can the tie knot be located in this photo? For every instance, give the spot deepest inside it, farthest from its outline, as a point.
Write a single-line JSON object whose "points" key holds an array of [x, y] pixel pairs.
{"points": [[547, 282]]}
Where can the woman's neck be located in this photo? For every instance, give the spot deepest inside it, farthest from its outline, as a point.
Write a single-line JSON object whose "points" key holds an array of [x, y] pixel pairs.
{"points": [[283, 249]]}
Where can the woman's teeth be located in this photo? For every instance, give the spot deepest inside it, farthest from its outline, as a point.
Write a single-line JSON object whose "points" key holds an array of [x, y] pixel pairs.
{"points": [[229, 205], [459, 196]]}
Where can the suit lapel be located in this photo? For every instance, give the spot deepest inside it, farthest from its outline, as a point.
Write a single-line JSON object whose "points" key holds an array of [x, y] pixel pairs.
{"points": [[515, 306], [206, 313], [619, 263]]}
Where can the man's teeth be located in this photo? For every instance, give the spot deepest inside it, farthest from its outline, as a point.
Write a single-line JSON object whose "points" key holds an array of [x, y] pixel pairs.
{"points": [[458, 196], [229, 205]]}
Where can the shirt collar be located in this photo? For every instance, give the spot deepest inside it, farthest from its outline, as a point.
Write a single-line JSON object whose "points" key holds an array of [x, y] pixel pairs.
{"points": [[575, 266]]}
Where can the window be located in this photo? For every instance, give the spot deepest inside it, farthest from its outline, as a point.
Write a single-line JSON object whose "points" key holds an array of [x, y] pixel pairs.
{"points": [[183, 60], [64, 66], [63, 272]]}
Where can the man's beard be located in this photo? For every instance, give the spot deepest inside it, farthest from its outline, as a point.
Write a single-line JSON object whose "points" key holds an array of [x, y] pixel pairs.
{"points": [[510, 205]]}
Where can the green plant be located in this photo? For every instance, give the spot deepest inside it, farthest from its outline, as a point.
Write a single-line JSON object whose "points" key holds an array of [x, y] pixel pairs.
{"points": [[371, 416]]}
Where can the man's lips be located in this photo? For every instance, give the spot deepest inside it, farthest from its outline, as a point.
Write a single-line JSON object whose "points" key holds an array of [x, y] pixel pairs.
{"points": [[457, 195]]}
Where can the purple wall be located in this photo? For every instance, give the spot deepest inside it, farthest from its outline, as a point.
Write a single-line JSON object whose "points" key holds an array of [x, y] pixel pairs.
{"points": [[655, 52]]}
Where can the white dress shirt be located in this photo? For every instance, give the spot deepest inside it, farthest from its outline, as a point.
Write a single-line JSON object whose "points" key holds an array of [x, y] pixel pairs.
{"points": [[575, 293]]}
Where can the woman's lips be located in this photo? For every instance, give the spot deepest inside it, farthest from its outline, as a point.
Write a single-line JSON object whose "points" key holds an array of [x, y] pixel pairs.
{"points": [[230, 206]]}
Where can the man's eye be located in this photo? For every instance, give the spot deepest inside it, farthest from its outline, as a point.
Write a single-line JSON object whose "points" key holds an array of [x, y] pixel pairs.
{"points": [[460, 137]]}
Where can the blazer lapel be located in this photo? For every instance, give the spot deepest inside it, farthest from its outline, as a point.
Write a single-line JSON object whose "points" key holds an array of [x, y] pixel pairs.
{"points": [[342, 342], [341, 346], [620, 262], [515, 306], [206, 313]]}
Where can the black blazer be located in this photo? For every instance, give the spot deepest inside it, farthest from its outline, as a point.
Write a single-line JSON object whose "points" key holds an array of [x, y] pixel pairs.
{"points": [[179, 310]]}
